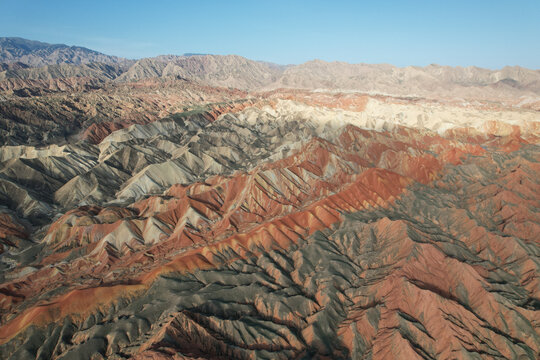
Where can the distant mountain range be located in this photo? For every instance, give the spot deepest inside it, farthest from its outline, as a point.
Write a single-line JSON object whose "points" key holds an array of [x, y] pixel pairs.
{"points": [[35, 53], [61, 61]]}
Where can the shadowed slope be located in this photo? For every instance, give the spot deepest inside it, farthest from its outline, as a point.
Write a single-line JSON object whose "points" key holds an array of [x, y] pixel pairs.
{"points": [[339, 248], [164, 218]]}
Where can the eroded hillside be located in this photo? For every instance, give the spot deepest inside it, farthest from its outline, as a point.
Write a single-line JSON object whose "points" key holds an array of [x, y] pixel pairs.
{"points": [[154, 216]]}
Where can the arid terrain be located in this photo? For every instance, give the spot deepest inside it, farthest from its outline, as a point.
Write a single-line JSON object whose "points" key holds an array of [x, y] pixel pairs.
{"points": [[215, 207]]}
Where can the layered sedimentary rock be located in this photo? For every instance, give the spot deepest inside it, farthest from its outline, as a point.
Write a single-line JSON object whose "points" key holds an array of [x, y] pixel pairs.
{"points": [[62, 117], [357, 237], [166, 218]]}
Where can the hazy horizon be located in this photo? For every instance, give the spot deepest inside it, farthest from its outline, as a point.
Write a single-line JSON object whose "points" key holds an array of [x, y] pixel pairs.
{"points": [[486, 34], [277, 64]]}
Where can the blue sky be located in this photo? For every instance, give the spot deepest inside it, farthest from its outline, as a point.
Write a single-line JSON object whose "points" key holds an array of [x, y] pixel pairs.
{"points": [[484, 33]]}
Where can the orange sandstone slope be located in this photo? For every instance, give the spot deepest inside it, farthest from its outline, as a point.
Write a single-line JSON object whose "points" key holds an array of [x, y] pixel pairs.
{"points": [[401, 243]]}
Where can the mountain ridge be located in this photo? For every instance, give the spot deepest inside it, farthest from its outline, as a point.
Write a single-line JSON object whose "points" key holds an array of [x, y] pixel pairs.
{"points": [[37, 53], [243, 73]]}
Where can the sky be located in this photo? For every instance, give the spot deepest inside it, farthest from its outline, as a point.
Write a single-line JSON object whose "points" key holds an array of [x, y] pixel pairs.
{"points": [[484, 33]]}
